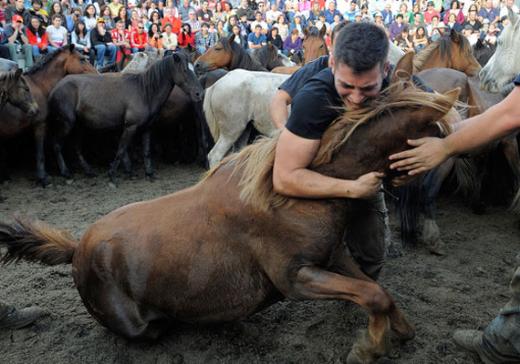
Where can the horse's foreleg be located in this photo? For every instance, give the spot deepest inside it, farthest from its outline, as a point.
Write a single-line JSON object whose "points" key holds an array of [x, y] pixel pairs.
{"points": [[510, 148], [4, 174], [125, 140], [39, 137], [78, 142], [147, 155], [315, 283]]}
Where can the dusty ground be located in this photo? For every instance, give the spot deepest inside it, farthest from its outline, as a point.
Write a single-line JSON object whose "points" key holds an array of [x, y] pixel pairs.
{"points": [[462, 290]]}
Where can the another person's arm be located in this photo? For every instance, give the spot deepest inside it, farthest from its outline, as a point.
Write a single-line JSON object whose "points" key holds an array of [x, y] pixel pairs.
{"points": [[279, 108], [498, 121]]}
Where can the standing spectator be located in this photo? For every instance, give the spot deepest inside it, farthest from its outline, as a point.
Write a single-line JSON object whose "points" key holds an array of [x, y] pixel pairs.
{"points": [[489, 12], [396, 28], [456, 10], [138, 39], [81, 40], [472, 20], [292, 44], [18, 9], [101, 41], [56, 33], [38, 11], [37, 37], [420, 39], [155, 38], [169, 39], [256, 39], [430, 12], [115, 6], [204, 40], [186, 37], [331, 12], [237, 37], [283, 28], [388, 15], [204, 15], [89, 18], [274, 38], [121, 39], [17, 41]]}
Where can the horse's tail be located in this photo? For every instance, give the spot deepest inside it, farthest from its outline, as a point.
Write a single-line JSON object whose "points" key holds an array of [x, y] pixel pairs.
{"points": [[36, 241], [211, 118], [408, 206]]}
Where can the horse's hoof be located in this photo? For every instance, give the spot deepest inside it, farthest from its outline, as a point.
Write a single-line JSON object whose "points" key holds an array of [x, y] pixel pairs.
{"points": [[354, 358], [437, 247], [151, 177], [43, 182], [394, 250]]}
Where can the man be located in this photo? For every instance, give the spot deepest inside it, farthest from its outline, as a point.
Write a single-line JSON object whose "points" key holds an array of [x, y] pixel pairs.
{"points": [[500, 341], [351, 14], [204, 14], [17, 9], [184, 10], [102, 42], [489, 12], [259, 21], [139, 39], [357, 73], [11, 318], [331, 12], [256, 39], [17, 41]]}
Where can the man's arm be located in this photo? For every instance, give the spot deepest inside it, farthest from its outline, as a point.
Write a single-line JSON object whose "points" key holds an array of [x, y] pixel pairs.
{"points": [[496, 122], [291, 177], [279, 108]]}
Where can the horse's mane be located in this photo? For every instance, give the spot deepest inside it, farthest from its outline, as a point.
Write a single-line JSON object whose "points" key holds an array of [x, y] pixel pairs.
{"points": [[159, 72], [241, 58], [255, 162], [45, 61], [267, 56], [443, 46], [6, 78]]}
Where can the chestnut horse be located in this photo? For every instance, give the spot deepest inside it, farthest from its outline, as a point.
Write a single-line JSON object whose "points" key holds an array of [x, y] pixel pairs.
{"points": [[41, 79], [230, 246], [453, 50]]}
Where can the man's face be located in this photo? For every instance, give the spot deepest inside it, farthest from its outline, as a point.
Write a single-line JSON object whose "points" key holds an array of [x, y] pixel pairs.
{"points": [[19, 4], [332, 5], [204, 6], [257, 31], [352, 6], [120, 26], [140, 28], [399, 20], [357, 89], [56, 22]]}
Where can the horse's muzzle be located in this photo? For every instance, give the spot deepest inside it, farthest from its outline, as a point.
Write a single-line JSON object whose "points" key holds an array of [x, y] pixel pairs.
{"points": [[33, 110], [200, 68]]}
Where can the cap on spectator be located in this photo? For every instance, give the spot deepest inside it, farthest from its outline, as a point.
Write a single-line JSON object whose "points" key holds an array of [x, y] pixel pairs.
{"points": [[353, 2], [430, 3], [17, 19], [468, 27], [100, 20], [378, 14]]}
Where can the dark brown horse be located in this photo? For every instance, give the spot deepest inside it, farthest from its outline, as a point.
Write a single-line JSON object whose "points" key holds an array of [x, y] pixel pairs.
{"points": [[41, 79], [453, 50], [130, 101], [229, 246], [14, 90]]}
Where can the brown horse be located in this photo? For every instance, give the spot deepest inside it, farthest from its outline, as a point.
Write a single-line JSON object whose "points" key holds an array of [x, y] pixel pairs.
{"points": [[14, 90], [453, 50], [41, 79], [230, 246]]}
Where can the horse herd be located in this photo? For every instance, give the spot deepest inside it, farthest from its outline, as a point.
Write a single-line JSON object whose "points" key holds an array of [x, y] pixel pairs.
{"points": [[138, 279]]}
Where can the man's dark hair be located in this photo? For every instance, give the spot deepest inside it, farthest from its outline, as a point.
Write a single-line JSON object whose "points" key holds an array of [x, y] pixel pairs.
{"points": [[361, 46]]}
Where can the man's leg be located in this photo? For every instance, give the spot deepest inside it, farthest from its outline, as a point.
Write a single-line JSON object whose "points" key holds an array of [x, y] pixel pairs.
{"points": [[11, 318], [100, 55], [111, 52], [12, 52], [4, 52], [367, 233], [28, 53]]}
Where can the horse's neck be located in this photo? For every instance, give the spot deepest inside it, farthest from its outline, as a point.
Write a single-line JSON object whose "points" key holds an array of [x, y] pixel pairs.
{"points": [[45, 79], [249, 62], [160, 90]]}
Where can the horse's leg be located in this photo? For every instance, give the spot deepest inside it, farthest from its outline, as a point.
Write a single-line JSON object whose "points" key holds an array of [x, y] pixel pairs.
{"points": [[222, 146], [4, 174], [78, 142], [147, 154], [39, 136], [127, 164], [510, 149], [432, 185], [125, 140], [314, 283]]}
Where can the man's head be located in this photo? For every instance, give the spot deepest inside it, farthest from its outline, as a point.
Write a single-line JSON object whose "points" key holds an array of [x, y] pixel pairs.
{"points": [[37, 5], [19, 4], [399, 18], [258, 29], [56, 20], [353, 5], [17, 20], [332, 5], [140, 28], [359, 62], [205, 5]]}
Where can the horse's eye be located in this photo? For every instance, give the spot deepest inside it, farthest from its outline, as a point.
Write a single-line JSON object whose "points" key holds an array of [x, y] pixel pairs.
{"points": [[321, 46]]}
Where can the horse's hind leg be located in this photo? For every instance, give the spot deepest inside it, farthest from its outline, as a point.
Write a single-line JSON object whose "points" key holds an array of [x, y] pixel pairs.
{"points": [[147, 154], [39, 136], [221, 147], [315, 283], [122, 148], [510, 148], [78, 142]]}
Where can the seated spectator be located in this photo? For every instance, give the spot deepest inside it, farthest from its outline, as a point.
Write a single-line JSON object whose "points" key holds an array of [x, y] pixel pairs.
{"points": [[154, 19], [221, 31], [396, 28], [298, 25], [489, 12], [283, 27], [292, 44], [155, 37], [453, 24], [272, 15], [275, 39], [139, 39], [121, 39], [378, 19], [351, 13], [185, 9], [123, 16], [170, 18], [432, 25], [115, 6], [244, 26], [81, 40], [237, 37], [17, 41], [193, 22], [57, 35], [505, 5], [17, 9], [101, 41], [331, 12], [219, 14], [72, 19], [106, 14], [470, 34], [472, 20], [38, 11], [304, 8], [186, 37], [456, 10], [4, 49], [256, 39], [387, 15], [430, 12], [90, 17], [37, 37], [403, 10], [204, 40], [57, 9], [259, 21], [169, 38], [418, 20], [232, 21], [420, 39], [204, 14], [492, 35], [365, 14], [411, 16], [403, 41]]}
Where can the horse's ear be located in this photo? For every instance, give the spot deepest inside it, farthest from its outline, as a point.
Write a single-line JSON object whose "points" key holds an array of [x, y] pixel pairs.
{"points": [[232, 38], [176, 57], [404, 68], [453, 95], [18, 73], [479, 44], [513, 17], [71, 47], [323, 31], [454, 35], [305, 32]]}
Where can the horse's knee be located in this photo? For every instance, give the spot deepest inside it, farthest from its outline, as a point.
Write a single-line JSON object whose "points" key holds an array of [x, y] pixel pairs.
{"points": [[376, 300]]}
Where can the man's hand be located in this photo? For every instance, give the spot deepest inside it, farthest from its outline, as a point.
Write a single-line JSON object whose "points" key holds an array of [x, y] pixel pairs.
{"points": [[367, 185], [428, 154]]}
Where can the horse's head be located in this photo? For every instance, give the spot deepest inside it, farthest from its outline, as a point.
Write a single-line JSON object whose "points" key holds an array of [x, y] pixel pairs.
{"points": [[15, 90], [314, 45], [185, 78], [504, 65], [74, 62], [218, 56]]}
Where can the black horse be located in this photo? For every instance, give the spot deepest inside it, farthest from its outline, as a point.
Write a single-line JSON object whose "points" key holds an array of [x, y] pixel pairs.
{"points": [[131, 101]]}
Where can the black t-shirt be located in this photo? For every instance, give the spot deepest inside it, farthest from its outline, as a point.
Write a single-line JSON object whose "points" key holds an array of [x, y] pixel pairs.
{"points": [[295, 83], [517, 80]]}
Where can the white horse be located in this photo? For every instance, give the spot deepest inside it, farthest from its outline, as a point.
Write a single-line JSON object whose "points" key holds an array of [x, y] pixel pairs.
{"points": [[504, 65], [233, 101]]}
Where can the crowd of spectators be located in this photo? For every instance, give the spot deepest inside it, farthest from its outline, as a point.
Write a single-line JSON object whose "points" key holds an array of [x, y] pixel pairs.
{"points": [[107, 31]]}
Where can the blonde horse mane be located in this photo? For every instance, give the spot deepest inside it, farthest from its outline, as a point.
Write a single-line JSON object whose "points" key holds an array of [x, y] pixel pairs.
{"points": [[255, 162], [420, 59]]}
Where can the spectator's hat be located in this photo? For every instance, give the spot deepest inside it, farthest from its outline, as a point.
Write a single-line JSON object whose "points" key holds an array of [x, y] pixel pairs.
{"points": [[378, 14], [430, 3], [17, 19]]}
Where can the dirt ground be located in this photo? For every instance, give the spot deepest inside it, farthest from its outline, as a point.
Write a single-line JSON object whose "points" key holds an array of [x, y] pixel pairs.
{"points": [[439, 294]]}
